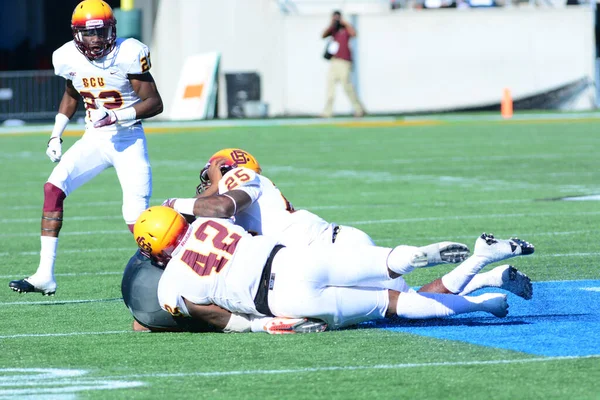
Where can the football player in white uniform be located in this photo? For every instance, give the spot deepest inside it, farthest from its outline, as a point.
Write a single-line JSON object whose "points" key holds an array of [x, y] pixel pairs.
{"points": [[218, 273], [112, 77], [272, 214]]}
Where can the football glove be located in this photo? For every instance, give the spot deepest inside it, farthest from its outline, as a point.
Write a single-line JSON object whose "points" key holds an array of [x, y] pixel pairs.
{"points": [[102, 117], [54, 150], [282, 326]]}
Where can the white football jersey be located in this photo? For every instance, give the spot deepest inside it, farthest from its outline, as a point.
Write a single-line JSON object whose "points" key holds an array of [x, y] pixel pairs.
{"points": [[270, 213], [104, 81], [216, 263]]}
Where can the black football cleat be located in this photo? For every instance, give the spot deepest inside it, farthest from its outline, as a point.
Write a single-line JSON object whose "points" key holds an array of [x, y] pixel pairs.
{"points": [[24, 286]]}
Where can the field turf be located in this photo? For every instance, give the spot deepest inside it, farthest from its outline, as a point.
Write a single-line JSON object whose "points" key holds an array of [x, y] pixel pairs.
{"points": [[405, 182]]}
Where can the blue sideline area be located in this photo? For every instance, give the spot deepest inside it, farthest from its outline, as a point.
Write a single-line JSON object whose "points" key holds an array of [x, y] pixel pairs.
{"points": [[562, 319]]}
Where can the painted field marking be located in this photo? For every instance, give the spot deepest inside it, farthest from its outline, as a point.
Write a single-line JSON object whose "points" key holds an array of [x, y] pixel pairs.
{"points": [[59, 302], [592, 289], [46, 383], [34, 335], [562, 319], [355, 368]]}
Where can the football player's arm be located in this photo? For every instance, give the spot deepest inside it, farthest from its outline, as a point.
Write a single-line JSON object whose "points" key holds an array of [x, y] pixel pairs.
{"points": [[211, 191], [224, 205], [145, 87], [225, 320], [66, 109], [214, 176], [69, 101]]}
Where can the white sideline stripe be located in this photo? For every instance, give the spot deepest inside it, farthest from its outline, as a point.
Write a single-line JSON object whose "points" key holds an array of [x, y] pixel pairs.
{"points": [[354, 368], [30, 335]]}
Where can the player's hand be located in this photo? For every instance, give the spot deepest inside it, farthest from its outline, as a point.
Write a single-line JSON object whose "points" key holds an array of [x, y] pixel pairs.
{"points": [[102, 117], [169, 203], [283, 326], [54, 150], [214, 170]]}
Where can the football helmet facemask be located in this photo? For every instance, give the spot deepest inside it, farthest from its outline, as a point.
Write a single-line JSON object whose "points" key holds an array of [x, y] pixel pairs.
{"points": [[235, 158], [158, 231], [94, 28]]}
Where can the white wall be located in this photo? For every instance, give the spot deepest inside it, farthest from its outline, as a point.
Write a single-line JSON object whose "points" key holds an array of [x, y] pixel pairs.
{"points": [[406, 61]]}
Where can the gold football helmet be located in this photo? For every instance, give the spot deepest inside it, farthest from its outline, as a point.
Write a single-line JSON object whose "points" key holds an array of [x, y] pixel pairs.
{"points": [[235, 158], [94, 28], [158, 231]]}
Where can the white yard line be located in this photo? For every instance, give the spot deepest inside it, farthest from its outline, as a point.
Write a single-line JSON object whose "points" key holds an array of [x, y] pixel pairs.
{"points": [[353, 368], [59, 302], [32, 335], [462, 217], [351, 223], [75, 274]]}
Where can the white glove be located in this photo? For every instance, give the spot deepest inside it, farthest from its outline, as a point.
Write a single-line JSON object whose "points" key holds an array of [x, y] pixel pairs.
{"points": [[54, 150], [101, 117]]}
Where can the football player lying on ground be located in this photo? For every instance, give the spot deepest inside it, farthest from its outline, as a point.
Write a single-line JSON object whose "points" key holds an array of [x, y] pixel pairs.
{"points": [[271, 214], [218, 273], [140, 279]]}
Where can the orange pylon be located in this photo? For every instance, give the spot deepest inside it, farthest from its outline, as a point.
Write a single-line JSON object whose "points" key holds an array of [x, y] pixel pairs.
{"points": [[506, 105]]}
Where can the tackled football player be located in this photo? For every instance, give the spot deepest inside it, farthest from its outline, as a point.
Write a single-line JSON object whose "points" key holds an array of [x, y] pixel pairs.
{"points": [[218, 273]]}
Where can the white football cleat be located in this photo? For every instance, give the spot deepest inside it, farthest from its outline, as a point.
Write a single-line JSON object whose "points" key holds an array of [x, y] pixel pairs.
{"points": [[499, 249], [444, 253], [514, 281], [282, 326]]}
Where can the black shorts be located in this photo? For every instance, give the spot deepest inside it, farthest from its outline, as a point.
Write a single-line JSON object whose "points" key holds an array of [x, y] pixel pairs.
{"points": [[139, 289]]}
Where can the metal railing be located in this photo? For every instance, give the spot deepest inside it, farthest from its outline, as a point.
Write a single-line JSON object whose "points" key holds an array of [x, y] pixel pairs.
{"points": [[31, 96]]}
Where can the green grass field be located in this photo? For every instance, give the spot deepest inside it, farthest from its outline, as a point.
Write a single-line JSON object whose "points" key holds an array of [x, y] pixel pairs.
{"points": [[411, 184]]}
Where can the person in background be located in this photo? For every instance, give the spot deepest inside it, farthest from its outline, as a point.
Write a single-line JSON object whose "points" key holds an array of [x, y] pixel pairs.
{"points": [[340, 63]]}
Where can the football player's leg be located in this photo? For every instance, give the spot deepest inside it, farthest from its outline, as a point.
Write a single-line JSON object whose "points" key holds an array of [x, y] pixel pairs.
{"points": [[504, 277], [487, 250], [78, 165], [413, 305], [337, 306], [331, 265], [349, 236], [135, 175]]}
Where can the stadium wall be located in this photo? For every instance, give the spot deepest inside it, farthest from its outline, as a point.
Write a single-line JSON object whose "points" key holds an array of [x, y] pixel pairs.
{"points": [[411, 61]]}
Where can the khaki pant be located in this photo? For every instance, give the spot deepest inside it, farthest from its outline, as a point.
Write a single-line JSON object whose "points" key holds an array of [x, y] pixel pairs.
{"points": [[339, 71]]}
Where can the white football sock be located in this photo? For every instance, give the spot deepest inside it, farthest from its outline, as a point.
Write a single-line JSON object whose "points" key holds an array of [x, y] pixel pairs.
{"points": [[414, 305], [399, 259], [485, 279], [457, 279], [45, 270]]}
